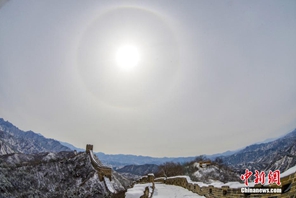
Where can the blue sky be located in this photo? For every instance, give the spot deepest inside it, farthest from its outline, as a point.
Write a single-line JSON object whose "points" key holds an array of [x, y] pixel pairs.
{"points": [[212, 75]]}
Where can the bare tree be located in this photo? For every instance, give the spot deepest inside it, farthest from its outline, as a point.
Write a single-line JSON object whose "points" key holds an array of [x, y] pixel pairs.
{"points": [[169, 169]]}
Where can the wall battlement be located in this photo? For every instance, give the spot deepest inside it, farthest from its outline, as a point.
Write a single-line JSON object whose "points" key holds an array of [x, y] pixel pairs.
{"points": [[288, 186]]}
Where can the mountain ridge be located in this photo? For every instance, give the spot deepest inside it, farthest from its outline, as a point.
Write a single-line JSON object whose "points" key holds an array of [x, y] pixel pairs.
{"points": [[265, 156], [274, 154], [14, 140], [121, 160], [61, 174]]}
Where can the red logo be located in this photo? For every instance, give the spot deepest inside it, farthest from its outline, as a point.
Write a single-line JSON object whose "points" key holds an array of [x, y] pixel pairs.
{"points": [[260, 177], [274, 177], [246, 176]]}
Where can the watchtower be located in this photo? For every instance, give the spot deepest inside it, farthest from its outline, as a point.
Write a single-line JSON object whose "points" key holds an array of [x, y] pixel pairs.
{"points": [[89, 147]]}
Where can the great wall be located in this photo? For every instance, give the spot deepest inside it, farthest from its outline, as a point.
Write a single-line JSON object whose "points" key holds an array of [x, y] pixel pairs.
{"points": [[104, 172], [288, 184], [288, 187]]}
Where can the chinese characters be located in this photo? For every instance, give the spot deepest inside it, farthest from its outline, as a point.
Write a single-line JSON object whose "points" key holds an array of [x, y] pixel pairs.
{"points": [[260, 177]]}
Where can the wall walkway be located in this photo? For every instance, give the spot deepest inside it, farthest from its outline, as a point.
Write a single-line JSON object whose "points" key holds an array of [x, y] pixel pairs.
{"points": [[104, 172]]}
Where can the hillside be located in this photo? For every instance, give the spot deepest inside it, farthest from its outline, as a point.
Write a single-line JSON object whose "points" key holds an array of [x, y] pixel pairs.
{"points": [[31, 164], [139, 169], [135, 172], [63, 174], [14, 140], [211, 172], [277, 154], [24, 153]]}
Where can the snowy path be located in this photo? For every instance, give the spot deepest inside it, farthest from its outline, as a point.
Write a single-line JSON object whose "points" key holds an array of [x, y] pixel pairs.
{"points": [[161, 191], [137, 191], [109, 185], [165, 191]]}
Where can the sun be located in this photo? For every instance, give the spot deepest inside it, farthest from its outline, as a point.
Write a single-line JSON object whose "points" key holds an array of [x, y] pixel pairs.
{"points": [[127, 57]]}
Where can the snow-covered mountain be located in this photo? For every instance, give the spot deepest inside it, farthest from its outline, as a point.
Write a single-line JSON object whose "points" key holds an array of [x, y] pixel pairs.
{"points": [[63, 174], [267, 155], [278, 154], [120, 160], [14, 140], [117, 161], [211, 172], [31, 164], [139, 169]]}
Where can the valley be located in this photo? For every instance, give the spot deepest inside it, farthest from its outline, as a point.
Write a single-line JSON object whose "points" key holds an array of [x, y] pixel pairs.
{"points": [[32, 164]]}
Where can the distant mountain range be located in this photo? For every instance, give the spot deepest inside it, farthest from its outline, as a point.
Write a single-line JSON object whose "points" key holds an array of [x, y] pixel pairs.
{"points": [[14, 140], [32, 165], [139, 169], [273, 154], [120, 160], [277, 154]]}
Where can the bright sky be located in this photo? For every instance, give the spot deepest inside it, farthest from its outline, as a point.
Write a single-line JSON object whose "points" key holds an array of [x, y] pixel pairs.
{"points": [[157, 78]]}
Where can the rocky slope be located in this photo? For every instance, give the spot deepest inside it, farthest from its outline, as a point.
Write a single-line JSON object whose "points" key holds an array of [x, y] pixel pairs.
{"points": [[14, 140], [139, 169], [212, 172], [278, 154], [63, 174], [5, 143], [135, 172]]}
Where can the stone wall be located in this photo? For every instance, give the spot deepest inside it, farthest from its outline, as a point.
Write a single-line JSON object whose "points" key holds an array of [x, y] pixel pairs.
{"points": [[103, 171], [89, 147], [288, 183], [147, 179]]}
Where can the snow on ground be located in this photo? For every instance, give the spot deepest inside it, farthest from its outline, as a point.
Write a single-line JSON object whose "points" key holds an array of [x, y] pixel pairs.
{"points": [[206, 170], [239, 185], [161, 191], [49, 156], [137, 191], [165, 191], [289, 171], [217, 184], [168, 191]]}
